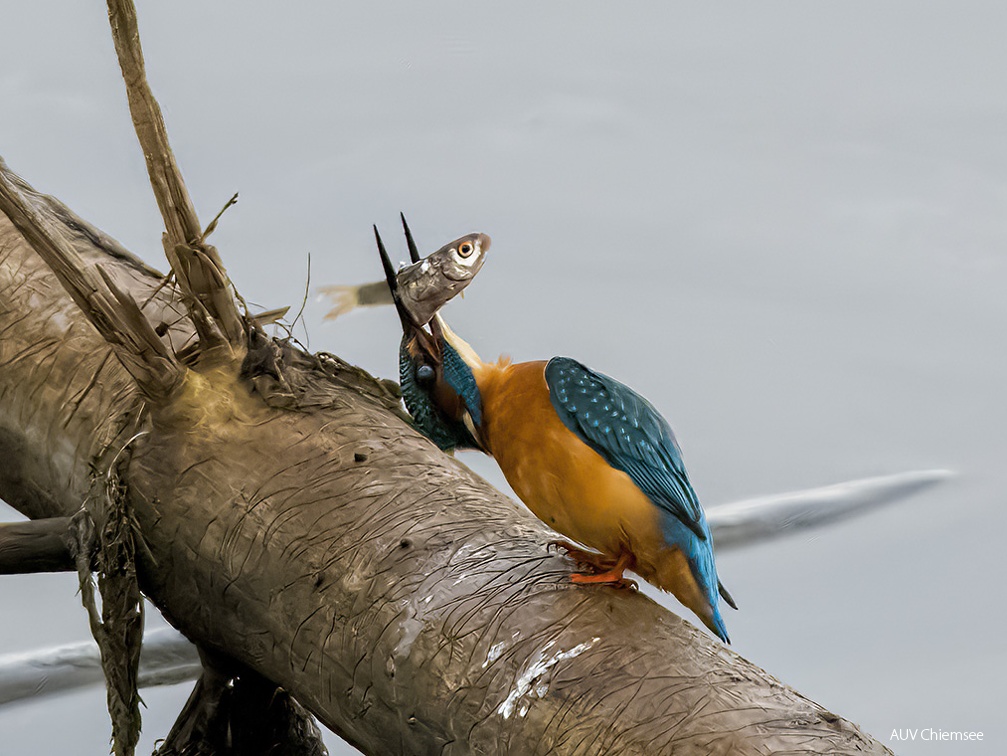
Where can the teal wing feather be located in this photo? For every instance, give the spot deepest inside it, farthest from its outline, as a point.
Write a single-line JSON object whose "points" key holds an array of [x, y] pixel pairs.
{"points": [[459, 377], [629, 433]]}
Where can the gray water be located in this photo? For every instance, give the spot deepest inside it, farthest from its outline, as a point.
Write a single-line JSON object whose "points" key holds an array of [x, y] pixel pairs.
{"points": [[783, 223]]}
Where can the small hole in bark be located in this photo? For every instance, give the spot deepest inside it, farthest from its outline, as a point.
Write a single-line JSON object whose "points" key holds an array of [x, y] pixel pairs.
{"points": [[359, 457], [319, 580], [161, 329], [405, 543]]}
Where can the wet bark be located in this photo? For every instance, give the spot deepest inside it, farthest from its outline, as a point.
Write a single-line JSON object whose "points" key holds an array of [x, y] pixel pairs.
{"points": [[294, 522]]}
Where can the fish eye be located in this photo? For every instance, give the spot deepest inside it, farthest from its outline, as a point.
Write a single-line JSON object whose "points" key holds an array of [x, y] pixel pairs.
{"points": [[465, 249]]}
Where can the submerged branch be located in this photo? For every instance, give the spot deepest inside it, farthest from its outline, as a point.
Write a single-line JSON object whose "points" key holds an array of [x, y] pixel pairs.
{"points": [[166, 658], [35, 546], [755, 520]]}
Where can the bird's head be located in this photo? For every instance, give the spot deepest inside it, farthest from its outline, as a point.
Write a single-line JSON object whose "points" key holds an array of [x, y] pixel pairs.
{"points": [[435, 368]]}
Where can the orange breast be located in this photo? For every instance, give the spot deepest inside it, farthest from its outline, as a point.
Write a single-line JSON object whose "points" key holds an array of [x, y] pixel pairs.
{"points": [[570, 486], [561, 479]]}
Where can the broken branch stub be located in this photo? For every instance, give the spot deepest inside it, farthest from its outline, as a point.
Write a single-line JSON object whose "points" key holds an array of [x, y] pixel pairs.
{"points": [[197, 265], [114, 313], [35, 546]]}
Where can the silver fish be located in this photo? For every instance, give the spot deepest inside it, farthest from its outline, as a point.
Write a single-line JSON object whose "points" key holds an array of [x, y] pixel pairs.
{"points": [[425, 286]]}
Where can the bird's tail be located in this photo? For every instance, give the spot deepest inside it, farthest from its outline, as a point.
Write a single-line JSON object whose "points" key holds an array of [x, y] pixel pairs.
{"points": [[716, 624], [704, 571], [689, 570]]}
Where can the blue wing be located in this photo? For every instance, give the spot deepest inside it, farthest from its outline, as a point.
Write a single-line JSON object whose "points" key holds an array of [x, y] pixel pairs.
{"points": [[626, 430], [446, 432], [460, 378]]}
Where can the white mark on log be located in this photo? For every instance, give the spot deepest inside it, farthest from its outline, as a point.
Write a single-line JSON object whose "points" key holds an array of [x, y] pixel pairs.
{"points": [[494, 653], [530, 681], [410, 627], [464, 552]]}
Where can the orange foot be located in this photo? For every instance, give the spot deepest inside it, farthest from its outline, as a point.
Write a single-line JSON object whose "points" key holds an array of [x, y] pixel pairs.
{"points": [[612, 576]]}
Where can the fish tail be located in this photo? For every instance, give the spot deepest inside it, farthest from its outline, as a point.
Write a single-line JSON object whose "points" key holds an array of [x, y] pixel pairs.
{"points": [[345, 299]]}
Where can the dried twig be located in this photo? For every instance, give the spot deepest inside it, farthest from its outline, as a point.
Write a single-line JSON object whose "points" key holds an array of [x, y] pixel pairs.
{"points": [[213, 224], [304, 301]]}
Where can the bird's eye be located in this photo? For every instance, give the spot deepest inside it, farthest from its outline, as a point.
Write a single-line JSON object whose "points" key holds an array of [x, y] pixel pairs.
{"points": [[465, 249]]}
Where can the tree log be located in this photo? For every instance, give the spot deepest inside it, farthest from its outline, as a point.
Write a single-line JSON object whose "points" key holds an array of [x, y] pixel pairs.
{"points": [[294, 522]]}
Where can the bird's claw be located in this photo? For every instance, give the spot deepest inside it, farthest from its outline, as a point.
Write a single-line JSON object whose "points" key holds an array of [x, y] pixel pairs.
{"points": [[613, 575], [594, 560]]}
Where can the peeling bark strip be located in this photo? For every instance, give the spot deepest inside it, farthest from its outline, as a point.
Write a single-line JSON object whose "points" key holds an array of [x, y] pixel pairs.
{"points": [[334, 551], [106, 534]]}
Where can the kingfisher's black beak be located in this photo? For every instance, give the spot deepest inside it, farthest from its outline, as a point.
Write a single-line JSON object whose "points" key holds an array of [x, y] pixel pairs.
{"points": [[414, 254], [393, 284]]}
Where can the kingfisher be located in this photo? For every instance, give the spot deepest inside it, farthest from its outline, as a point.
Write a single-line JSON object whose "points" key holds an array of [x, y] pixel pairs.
{"points": [[588, 455]]}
